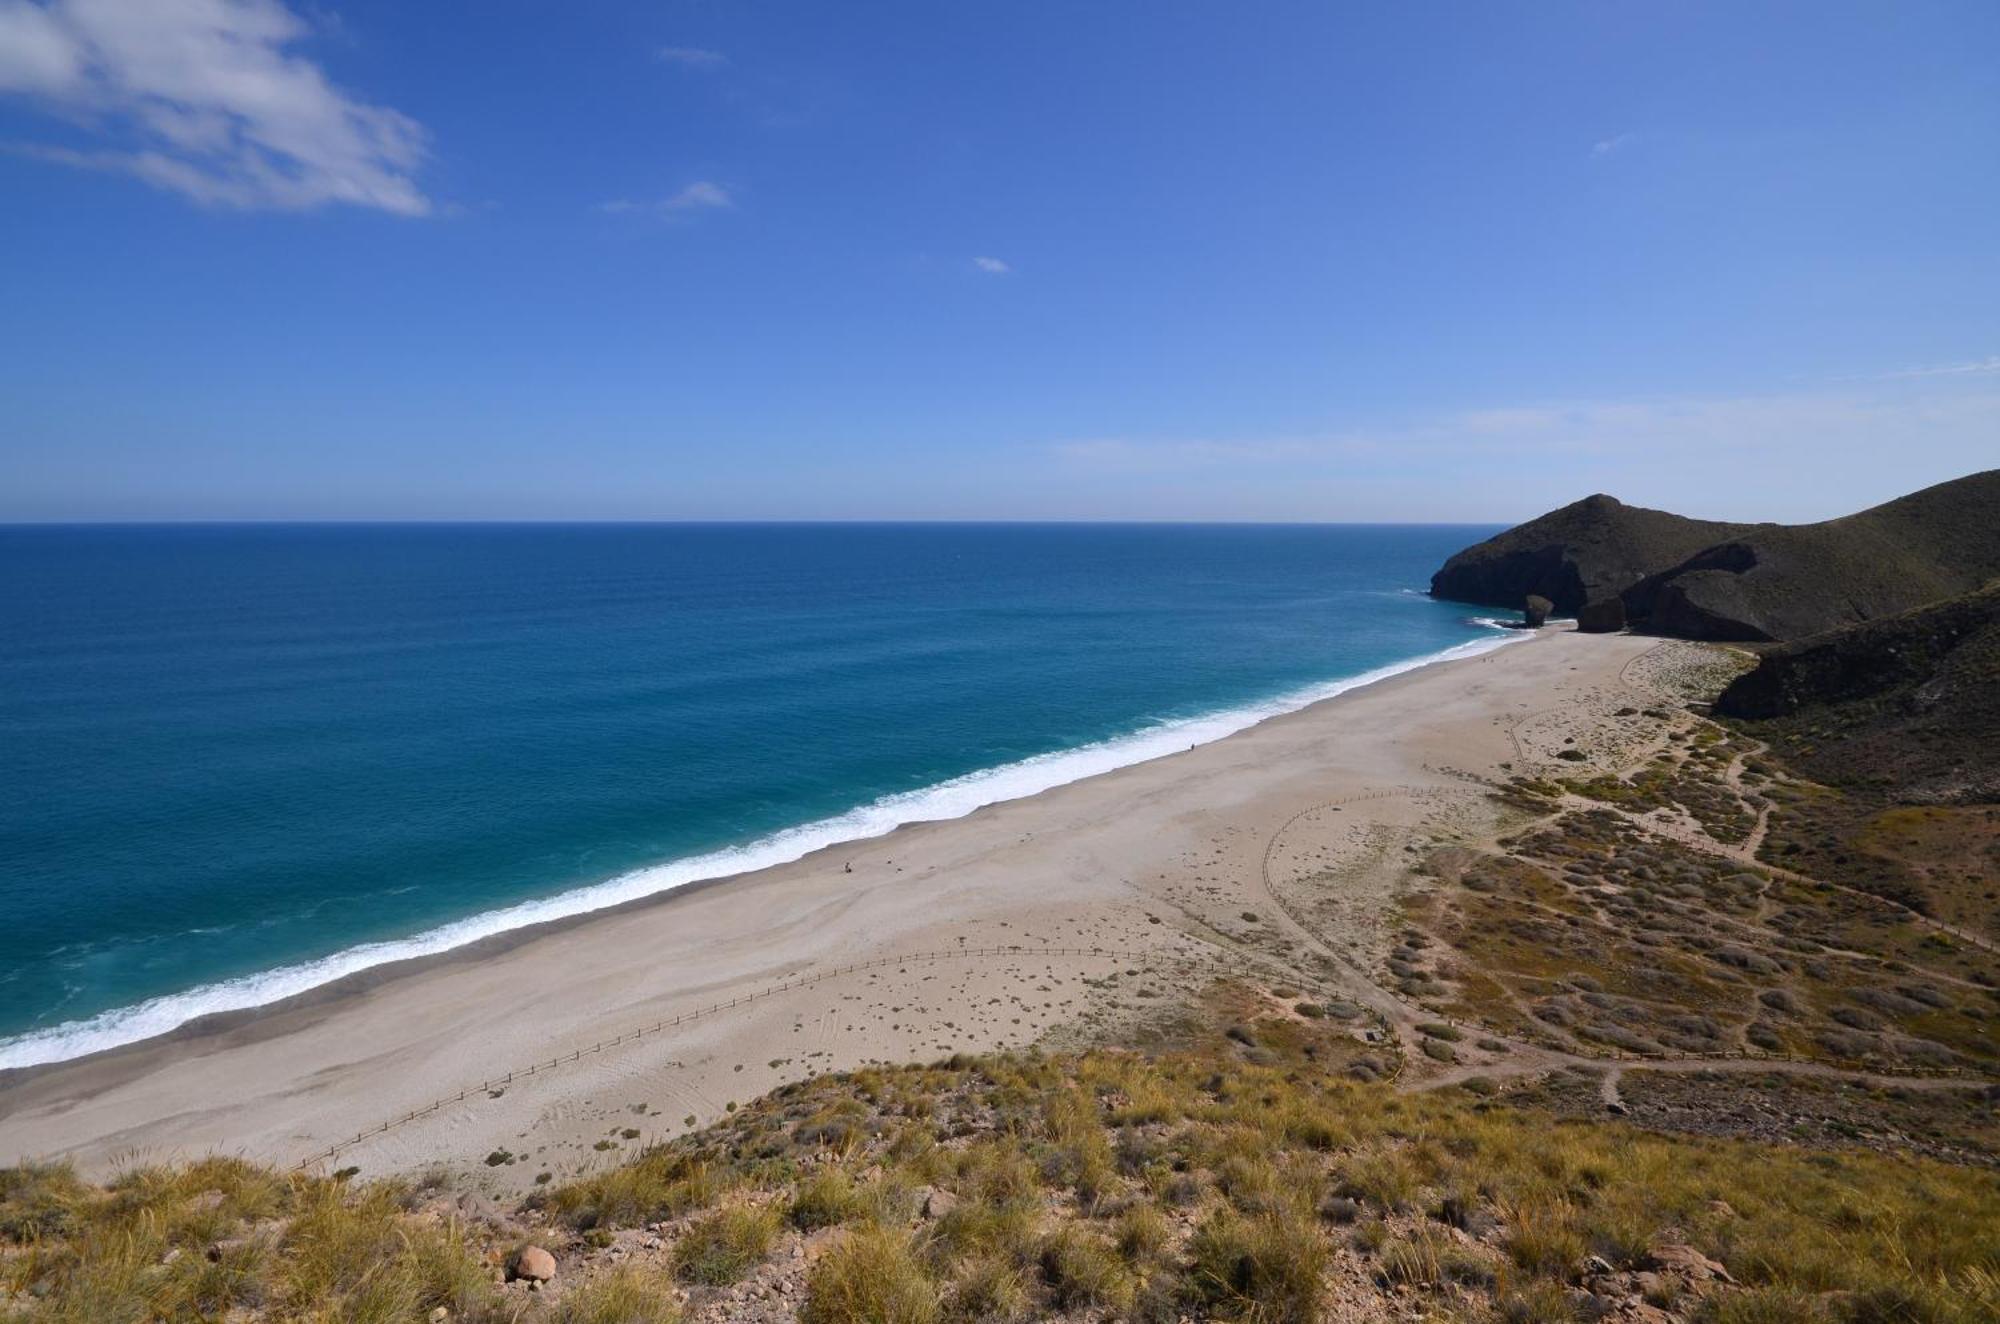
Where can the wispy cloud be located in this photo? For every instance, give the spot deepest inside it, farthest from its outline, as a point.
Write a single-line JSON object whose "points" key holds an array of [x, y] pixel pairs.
{"points": [[1604, 147], [1519, 458], [1986, 367], [206, 99], [992, 266], [702, 195], [693, 57]]}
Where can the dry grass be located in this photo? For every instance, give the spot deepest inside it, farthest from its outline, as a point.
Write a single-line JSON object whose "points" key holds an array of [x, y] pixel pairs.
{"points": [[661, 1183], [872, 1277], [1061, 1203], [721, 1247], [626, 1295], [207, 1239], [1264, 1269]]}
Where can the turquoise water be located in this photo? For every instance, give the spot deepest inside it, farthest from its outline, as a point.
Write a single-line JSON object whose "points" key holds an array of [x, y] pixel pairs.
{"points": [[237, 761]]}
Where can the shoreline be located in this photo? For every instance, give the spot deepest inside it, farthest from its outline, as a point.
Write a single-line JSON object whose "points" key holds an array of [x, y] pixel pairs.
{"points": [[167, 1016], [1147, 856]]}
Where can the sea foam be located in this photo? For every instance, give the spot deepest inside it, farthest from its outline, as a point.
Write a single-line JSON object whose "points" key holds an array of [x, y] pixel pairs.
{"points": [[946, 800]]}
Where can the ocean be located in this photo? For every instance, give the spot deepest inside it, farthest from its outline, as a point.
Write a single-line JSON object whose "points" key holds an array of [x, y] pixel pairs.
{"points": [[238, 761]]}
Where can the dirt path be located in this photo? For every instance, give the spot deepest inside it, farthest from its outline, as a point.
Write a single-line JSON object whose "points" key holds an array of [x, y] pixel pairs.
{"points": [[1524, 1058]]}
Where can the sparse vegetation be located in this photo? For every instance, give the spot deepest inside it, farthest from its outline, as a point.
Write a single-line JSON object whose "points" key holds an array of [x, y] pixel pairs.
{"points": [[1537, 1199], [1251, 1167]]}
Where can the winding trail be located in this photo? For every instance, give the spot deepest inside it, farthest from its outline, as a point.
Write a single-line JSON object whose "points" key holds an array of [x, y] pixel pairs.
{"points": [[1526, 1058]]}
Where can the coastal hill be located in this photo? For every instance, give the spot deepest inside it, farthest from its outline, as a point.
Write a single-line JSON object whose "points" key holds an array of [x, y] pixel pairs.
{"points": [[1611, 564], [1589, 551], [1910, 701]]}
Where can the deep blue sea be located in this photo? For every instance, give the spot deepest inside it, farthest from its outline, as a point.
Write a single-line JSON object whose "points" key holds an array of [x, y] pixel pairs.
{"points": [[238, 761]]}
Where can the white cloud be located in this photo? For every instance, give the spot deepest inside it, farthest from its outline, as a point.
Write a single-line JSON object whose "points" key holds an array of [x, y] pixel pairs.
{"points": [[1606, 146], [1985, 367], [201, 97], [693, 57], [702, 195], [992, 266]]}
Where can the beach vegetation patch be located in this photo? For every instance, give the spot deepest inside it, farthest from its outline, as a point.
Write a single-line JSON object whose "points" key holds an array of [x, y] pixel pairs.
{"points": [[720, 1248]]}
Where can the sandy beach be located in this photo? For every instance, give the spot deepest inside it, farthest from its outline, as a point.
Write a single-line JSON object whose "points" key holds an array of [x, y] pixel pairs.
{"points": [[1160, 861]]}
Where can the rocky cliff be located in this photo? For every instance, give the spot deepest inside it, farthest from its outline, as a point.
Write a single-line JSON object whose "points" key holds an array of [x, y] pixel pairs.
{"points": [[1911, 701], [1699, 579]]}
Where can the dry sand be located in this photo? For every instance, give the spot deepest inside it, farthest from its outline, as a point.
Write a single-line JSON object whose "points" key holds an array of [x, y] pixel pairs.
{"points": [[1162, 858]]}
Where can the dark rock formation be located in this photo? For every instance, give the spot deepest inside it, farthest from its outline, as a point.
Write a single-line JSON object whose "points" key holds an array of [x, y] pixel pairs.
{"points": [[1594, 548], [1536, 610], [1748, 582], [1911, 701], [1604, 616]]}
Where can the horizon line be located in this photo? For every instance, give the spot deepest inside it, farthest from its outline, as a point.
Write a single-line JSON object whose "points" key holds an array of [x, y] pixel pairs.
{"points": [[558, 522]]}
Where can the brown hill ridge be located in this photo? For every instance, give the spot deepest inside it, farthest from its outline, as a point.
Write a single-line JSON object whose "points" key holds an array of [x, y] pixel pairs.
{"points": [[1611, 564]]}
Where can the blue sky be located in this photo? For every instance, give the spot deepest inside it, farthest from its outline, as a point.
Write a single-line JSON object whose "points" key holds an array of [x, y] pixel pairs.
{"points": [[520, 259]]}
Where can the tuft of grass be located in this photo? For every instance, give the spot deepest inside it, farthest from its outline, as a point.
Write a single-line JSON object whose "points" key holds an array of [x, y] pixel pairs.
{"points": [[1264, 1269], [1379, 1174], [1142, 1232], [979, 1227], [1082, 1270], [871, 1277], [989, 1289], [354, 1250], [1543, 1238], [1782, 1305], [661, 1183], [721, 1247], [1534, 1302], [627, 1295], [39, 1200], [826, 1199]]}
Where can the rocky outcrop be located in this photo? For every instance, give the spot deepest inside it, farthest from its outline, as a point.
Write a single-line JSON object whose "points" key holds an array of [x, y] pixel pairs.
{"points": [[1701, 598], [1604, 616], [1911, 701], [1535, 611], [1755, 583]]}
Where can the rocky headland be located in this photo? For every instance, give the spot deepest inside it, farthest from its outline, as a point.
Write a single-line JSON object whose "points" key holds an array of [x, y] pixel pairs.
{"points": [[1611, 565]]}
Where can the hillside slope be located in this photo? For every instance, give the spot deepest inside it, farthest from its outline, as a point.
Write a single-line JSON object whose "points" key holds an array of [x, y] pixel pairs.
{"points": [[1697, 579], [1910, 702], [1589, 550]]}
